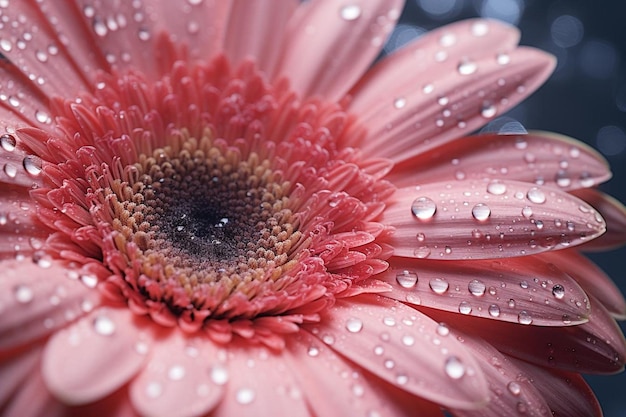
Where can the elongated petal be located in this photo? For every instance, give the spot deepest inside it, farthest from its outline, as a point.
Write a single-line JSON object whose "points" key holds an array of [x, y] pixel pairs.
{"points": [[597, 346], [105, 343], [442, 372], [254, 30], [512, 392], [15, 369], [566, 393], [259, 384], [176, 379], [519, 290], [475, 219], [613, 212], [34, 400], [20, 233], [322, 375], [539, 157], [593, 280], [457, 103], [339, 42], [38, 299]]}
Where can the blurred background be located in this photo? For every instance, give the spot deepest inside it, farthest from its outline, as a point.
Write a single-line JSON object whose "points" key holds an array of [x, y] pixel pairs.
{"points": [[585, 98]]}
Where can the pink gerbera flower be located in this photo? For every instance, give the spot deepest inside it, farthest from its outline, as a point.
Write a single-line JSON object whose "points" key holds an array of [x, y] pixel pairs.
{"points": [[219, 208]]}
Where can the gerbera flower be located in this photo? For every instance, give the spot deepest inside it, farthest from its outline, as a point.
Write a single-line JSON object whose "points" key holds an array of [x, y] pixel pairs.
{"points": [[219, 208]]}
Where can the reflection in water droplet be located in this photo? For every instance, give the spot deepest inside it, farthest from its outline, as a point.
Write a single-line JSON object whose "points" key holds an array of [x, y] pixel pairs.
{"points": [[465, 307], [558, 291], [32, 165], [8, 142], [423, 208], [438, 285], [406, 279], [494, 310], [476, 288], [524, 317], [481, 212]]}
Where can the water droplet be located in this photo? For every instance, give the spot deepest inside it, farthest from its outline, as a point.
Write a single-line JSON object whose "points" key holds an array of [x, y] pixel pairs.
{"points": [[535, 195], [496, 188], [514, 388], [438, 285], [494, 310], [558, 291], [503, 59], [480, 28], [6, 45], [443, 100], [89, 280], [562, 179], [100, 28], [42, 116], [41, 56], [354, 325], [527, 212], [154, 390], [313, 351], [423, 208], [420, 237], [454, 368], [328, 339], [465, 307], [443, 329], [488, 110], [422, 252], [219, 374], [176, 373], [399, 103], [476, 288], [23, 294], [406, 279], [350, 12], [467, 67], [402, 379], [32, 165], [447, 40], [481, 212], [144, 34], [408, 340], [103, 325], [524, 318], [389, 321], [244, 396], [10, 170], [428, 88], [8, 142]]}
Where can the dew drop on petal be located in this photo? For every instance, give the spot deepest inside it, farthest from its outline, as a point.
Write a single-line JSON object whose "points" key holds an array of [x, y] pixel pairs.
{"points": [[527, 212], [32, 165], [428, 88], [23, 294], [399, 103], [503, 59], [42, 116], [89, 280], [154, 390], [494, 310], [480, 28], [103, 325], [481, 212], [438, 285], [476, 288], [467, 67], [423, 208], [443, 329], [406, 279], [219, 374], [350, 12], [408, 340], [488, 110], [447, 40], [496, 188], [514, 388], [354, 325], [176, 373], [313, 351], [524, 318], [454, 368], [10, 170], [535, 195], [8, 142], [558, 291], [465, 307], [244, 396], [422, 252]]}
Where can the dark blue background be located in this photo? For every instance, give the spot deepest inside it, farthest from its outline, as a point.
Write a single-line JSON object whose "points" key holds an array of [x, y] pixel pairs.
{"points": [[584, 99]]}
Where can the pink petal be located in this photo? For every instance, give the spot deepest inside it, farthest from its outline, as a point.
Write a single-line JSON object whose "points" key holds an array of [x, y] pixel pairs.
{"points": [[14, 371], [259, 384], [404, 347], [477, 220], [34, 400], [313, 58], [254, 30], [334, 386], [20, 232], [597, 346], [19, 166], [567, 394], [538, 157], [416, 122], [520, 290], [512, 392], [106, 343], [177, 378], [432, 54], [36, 299], [613, 212], [593, 280]]}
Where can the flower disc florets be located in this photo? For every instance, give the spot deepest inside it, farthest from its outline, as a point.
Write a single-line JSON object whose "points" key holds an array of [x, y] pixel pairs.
{"points": [[212, 195]]}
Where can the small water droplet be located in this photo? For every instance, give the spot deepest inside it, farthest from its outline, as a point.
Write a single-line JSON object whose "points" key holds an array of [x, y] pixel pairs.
{"points": [[350, 12], [6, 45], [524, 317], [408, 340], [481, 212], [467, 68], [443, 329], [447, 40], [443, 100], [42, 116], [465, 307], [503, 59], [154, 390], [8, 142], [219, 374], [488, 111], [422, 252], [511, 303], [476, 288], [313, 351], [480, 28], [428, 88], [558, 291], [389, 321], [494, 310], [399, 103], [406, 279], [438, 285], [32, 165], [454, 368], [103, 325], [514, 388], [23, 294], [423, 208], [10, 170], [535, 195], [527, 212], [245, 396], [402, 379], [328, 339], [89, 280], [354, 325], [496, 188], [100, 28], [176, 373]]}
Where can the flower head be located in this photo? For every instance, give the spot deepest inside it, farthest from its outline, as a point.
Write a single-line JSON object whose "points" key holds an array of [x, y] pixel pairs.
{"points": [[216, 208]]}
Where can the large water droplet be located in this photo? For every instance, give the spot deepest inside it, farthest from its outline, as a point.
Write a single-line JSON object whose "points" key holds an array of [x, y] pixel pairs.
{"points": [[558, 291], [354, 325], [350, 12], [8, 142], [496, 188], [454, 367], [423, 208], [465, 307], [481, 212], [535, 195], [438, 285], [476, 288], [103, 325], [219, 374], [488, 110], [32, 165], [406, 279], [494, 310], [524, 317], [467, 67]]}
